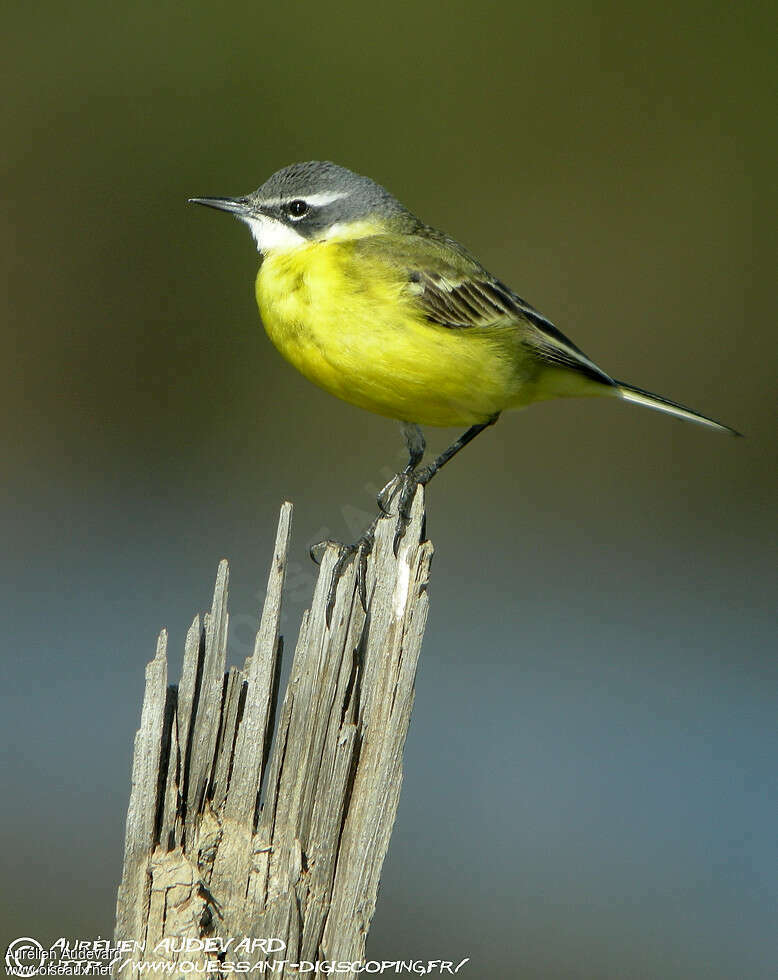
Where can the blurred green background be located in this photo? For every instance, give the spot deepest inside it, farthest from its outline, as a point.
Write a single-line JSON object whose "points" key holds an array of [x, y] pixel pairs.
{"points": [[590, 779]]}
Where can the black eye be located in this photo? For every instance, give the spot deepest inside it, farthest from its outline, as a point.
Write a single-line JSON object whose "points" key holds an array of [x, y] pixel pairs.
{"points": [[297, 208]]}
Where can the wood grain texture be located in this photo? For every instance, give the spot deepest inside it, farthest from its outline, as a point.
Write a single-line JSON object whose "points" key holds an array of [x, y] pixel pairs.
{"points": [[203, 855]]}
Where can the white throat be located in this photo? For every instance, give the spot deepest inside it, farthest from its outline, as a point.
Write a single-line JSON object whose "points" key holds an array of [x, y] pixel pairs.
{"points": [[270, 234]]}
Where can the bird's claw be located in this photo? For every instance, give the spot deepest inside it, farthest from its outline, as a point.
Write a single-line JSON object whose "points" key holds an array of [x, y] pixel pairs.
{"points": [[404, 487], [318, 550], [385, 496], [360, 551], [363, 554]]}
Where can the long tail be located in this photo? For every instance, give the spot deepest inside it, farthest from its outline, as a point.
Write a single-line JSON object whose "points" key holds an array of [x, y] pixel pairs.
{"points": [[632, 394]]}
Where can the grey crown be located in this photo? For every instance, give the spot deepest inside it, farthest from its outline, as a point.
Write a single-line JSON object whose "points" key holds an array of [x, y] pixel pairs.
{"points": [[362, 196]]}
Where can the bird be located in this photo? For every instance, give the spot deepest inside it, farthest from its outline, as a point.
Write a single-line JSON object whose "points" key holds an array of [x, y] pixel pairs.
{"points": [[384, 311]]}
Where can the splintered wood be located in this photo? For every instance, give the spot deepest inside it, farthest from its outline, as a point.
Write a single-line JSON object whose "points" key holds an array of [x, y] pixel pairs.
{"points": [[204, 857]]}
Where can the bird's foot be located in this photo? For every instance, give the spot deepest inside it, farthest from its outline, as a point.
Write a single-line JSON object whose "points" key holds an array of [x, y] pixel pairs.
{"points": [[359, 551], [403, 488], [386, 495]]}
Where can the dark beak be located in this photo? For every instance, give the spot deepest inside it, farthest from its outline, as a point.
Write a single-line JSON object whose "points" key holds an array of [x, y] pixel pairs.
{"points": [[235, 205]]}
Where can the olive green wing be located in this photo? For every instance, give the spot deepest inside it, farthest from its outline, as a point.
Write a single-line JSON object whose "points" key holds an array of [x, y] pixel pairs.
{"points": [[453, 290]]}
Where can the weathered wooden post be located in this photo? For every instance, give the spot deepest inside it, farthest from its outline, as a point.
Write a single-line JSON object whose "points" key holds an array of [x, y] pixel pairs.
{"points": [[204, 857]]}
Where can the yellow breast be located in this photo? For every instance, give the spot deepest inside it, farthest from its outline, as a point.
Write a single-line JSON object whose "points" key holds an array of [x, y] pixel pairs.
{"points": [[351, 327]]}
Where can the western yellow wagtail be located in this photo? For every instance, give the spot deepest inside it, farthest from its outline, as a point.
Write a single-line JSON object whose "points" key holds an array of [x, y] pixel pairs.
{"points": [[382, 310]]}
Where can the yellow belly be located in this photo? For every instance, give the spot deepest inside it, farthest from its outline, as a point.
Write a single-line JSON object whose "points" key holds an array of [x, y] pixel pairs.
{"points": [[355, 333]]}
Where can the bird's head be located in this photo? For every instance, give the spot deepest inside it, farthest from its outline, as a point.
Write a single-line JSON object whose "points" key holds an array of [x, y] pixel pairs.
{"points": [[309, 202]]}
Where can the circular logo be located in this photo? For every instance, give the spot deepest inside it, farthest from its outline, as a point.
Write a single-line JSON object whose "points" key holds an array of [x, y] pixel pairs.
{"points": [[24, 957]]}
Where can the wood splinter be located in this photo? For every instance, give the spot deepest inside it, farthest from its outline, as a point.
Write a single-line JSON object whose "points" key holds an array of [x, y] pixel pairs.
{"points": [[203, 856]]}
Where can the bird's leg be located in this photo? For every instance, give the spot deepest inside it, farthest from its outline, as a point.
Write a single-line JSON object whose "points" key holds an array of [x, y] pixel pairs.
{"points": [[361, 549], [415, 444], [423, 476], [406, 483], [427, 472]]}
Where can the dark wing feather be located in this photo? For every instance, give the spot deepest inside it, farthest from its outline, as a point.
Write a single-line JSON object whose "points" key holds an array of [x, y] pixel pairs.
{"points": [[460, 302]]}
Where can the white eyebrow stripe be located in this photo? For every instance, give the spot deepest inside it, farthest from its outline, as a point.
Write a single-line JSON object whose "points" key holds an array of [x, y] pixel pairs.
{"points": [[326, 197], [315, 200]]}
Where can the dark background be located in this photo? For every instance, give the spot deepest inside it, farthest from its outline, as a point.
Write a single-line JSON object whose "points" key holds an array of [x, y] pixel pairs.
{"points": [[590, 771]]}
